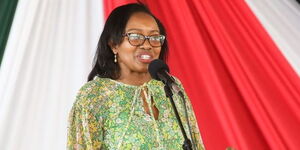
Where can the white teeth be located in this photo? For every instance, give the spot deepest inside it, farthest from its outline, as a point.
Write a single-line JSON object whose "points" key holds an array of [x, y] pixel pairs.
{"points": [[145, 56]]}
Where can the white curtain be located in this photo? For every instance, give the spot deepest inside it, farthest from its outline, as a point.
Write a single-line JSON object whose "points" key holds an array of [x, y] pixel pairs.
{"points": [[47, 59], [281, 18]]}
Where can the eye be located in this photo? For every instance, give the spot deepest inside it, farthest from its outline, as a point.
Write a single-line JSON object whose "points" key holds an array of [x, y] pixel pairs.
{"points": [[135, 36], [157, 37]]}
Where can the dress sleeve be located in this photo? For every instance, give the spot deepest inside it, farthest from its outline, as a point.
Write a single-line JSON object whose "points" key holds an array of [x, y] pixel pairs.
{"points": [[194, 125], [85, 132], [192, 119]]}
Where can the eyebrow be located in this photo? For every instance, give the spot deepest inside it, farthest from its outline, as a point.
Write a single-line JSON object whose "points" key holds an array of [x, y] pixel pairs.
{"points": [[141, 30]]}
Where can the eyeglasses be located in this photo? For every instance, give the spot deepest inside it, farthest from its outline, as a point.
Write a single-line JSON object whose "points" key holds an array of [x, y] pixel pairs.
{"points": [[136, 39]]}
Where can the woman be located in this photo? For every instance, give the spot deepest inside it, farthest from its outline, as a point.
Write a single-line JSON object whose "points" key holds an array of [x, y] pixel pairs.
{"points": [[121, 107]]}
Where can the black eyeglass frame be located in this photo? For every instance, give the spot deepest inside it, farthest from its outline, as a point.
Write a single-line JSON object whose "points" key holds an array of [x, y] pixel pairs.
{"points": [[146, 38]]}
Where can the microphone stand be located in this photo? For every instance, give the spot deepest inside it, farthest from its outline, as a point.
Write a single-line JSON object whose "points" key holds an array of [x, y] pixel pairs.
{"points": [[187, 145]]}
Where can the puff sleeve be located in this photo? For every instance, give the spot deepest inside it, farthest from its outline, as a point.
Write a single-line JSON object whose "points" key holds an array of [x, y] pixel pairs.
{"points": [[85, 131], [192, 120]]}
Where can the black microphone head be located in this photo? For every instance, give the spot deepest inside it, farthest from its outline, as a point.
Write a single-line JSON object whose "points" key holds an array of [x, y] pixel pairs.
{"points": [[156, 66]]}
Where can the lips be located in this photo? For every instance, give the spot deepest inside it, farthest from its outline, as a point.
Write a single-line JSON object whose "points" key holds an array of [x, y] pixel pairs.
{"points": [[145, 57]]}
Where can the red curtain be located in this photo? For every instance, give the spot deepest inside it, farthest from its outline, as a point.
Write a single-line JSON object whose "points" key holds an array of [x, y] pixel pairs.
{"points": [[244, 93]]}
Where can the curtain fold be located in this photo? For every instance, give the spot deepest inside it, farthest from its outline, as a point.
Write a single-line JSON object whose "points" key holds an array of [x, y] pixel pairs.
{"points": [[282, 20], [244, 92], [47, 59], [7, 11]]}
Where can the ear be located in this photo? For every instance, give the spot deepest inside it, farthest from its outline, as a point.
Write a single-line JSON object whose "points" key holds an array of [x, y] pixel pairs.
{"points": [[113, 47]]}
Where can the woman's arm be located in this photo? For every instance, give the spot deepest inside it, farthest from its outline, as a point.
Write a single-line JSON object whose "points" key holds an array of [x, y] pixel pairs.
{"points": [[84, 131], [194, 125], [196, 135]]}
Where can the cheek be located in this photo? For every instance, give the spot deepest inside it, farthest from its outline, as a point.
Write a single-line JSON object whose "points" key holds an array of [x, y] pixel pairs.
{"points": [[157, 52], [126, 52], [126, 56]]}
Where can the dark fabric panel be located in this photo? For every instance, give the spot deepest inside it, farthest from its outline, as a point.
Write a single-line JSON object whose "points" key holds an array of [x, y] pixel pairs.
{"points": [[7, 11]]}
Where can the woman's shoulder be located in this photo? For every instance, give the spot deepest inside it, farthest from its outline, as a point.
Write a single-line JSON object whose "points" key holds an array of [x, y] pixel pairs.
{"points": [[160, 83], [158, 86], [92, 92], [93, 86]]}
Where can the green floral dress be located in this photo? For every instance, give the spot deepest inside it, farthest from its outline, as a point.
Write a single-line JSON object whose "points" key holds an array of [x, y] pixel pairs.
{"points": [[110, 115]]}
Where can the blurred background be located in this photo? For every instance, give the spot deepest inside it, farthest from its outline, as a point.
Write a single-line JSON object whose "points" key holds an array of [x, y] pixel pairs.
{"points": [[239, 62]]}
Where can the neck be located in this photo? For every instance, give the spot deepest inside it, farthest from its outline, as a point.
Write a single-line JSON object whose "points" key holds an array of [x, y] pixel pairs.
{"points": [[134, 78]]}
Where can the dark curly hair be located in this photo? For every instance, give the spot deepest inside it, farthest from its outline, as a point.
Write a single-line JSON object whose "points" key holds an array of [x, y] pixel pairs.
{"points": [[113, 30]]}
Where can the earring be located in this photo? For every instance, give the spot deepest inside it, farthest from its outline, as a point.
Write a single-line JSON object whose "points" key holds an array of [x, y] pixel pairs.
{"points": [[115, 60]]}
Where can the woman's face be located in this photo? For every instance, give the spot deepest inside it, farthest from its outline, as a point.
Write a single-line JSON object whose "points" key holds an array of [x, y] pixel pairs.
{"points": [[137, 58]]}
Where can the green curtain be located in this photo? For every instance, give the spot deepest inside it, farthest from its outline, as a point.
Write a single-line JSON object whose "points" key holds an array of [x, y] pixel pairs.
{"points": [[7, 11]]}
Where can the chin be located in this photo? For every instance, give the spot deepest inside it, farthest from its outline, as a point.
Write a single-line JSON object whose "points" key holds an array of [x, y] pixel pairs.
{"points": [[142, 69]]}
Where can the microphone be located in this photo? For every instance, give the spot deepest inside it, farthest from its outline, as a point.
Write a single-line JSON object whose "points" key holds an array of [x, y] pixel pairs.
{"points": [[160, 71]]}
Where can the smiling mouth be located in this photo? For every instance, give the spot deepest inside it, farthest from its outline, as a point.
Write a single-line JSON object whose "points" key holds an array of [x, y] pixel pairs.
{"points": [[145, 57]]}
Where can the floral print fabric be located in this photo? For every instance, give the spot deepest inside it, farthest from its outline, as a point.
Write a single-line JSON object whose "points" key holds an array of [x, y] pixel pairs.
{"points": [[110, 115]]}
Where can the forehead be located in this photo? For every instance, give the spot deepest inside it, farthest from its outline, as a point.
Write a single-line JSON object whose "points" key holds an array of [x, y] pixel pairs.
{"points": [[143, 22]]}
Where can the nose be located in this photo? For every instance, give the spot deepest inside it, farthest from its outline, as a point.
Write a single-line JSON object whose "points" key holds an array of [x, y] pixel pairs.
{"points": [[146, 45]]}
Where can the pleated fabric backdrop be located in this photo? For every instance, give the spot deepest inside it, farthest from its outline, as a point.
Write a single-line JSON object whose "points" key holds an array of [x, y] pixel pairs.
{"points": [[7, 11], [47, 58], [281, 18], [244, 92], [243, 86]]}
